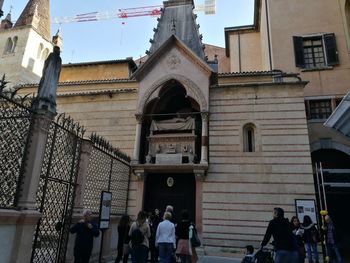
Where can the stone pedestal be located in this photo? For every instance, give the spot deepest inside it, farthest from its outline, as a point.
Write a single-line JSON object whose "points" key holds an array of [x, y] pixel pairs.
{"points": [[16, 232]]}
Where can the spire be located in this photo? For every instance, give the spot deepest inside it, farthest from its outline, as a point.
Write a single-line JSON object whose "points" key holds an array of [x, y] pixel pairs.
{"points": [[7, 23], [37, 14], [178, 19]]}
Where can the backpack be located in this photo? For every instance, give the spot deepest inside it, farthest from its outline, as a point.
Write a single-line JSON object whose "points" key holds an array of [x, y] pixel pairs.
{"points": [[137, 237]]}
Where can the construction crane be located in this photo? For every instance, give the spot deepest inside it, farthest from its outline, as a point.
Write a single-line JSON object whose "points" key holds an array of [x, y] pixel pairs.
{"points": [[209, 8]]}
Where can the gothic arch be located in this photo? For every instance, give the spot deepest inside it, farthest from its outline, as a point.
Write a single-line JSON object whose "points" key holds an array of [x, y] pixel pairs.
{"points": [[191, 88]]}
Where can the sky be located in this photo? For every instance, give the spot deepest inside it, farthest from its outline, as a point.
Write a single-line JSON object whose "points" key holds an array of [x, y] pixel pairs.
{"points": [[122, 38]]}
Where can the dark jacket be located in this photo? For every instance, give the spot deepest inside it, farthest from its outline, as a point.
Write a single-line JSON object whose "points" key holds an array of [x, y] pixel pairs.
{"points": [[182, 229], [85, 236], [310, 233], [281, 231]]}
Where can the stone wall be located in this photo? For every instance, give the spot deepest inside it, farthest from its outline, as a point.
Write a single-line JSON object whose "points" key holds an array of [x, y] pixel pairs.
{"points": [[242, 188]]}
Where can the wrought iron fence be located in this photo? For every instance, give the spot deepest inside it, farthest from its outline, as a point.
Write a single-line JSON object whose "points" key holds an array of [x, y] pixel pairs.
{"points": [[108, 170], [56, 190], [15, 122]]}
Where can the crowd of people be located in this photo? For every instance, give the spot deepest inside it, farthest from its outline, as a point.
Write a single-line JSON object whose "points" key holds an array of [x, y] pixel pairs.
{"points": [[294, 241], [161, 239]]}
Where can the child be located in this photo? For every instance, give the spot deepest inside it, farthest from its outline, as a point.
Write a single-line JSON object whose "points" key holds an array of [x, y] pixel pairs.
{"points": [[249, 255]]}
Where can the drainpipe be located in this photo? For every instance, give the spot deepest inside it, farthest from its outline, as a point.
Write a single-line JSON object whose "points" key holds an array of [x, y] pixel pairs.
{"points": [[268, 32]]}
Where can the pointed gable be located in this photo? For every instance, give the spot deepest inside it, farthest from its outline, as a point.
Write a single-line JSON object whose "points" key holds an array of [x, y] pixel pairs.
{"points": [[166, 47], [37, 14], [178, 19]]}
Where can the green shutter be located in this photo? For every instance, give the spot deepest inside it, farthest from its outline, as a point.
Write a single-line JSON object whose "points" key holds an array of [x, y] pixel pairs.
{"points": [[331, 49], [299, 52]]}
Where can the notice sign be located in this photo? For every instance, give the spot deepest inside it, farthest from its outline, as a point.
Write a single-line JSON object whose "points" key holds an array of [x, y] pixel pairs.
{"points": [[105, 209], [306, 207]]}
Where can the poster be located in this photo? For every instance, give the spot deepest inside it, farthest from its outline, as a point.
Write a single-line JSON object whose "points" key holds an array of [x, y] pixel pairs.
{"points": [[306, 207], [105, 209]]}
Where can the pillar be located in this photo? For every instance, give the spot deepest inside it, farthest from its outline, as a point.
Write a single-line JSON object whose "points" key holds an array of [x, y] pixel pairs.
{"points": [[85, 153], [34, 160], [136, 157], [205, 138]]}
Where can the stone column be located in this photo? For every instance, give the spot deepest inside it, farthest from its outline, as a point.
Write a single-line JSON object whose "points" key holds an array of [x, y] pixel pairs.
{"points": [[205, 138], [34, 160], [86, 150], [136, 157], [85, 153]]}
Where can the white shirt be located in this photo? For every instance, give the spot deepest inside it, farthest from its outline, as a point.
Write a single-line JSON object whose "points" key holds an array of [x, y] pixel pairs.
{"points": [[165, 233]]}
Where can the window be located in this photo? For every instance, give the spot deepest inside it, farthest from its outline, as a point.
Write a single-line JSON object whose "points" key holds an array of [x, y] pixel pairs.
{"points": [[45, 54], [15, 39], [315, 51], [249, 138], [8, 46], [320, 109], [40, 49]]}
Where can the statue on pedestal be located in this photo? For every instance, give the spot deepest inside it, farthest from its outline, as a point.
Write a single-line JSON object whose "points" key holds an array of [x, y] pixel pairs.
{"points": [[47, 92]]}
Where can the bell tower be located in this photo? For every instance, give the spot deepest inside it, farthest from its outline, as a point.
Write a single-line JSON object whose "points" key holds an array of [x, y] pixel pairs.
{"points": [[25, 45]]}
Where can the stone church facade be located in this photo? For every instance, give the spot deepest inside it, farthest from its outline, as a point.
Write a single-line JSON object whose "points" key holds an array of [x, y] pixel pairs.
{"points": [[228, 146]]}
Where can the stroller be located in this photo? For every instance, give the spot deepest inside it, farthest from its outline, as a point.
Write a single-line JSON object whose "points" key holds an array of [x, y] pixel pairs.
{"points": [[265, 255]]}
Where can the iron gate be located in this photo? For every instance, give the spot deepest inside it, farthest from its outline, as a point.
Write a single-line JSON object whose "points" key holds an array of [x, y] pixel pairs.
{"points": [[55, 195]]}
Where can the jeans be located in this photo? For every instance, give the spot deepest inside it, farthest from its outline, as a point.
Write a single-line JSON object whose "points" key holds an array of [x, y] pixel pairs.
{"points": [[313, 247], [334, 248], [285, 256], [139, 254], [165, 252]]}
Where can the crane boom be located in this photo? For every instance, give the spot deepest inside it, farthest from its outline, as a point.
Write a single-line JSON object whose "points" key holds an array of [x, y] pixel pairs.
{"points": [[156, 10]]}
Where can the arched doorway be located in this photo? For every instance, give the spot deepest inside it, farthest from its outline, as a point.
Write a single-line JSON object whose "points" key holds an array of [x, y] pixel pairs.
{"points": [[164, 189], [336, 171]]}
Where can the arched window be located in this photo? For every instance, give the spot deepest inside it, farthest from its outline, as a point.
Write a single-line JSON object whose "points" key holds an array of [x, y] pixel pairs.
{"points": [[8, 46], [45, 54], [15, 39], [40, 49], [249, 137]]}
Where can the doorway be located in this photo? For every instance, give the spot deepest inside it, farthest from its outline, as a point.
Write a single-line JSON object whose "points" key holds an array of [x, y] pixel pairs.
{"points": [[336, 174], [178, 190]]}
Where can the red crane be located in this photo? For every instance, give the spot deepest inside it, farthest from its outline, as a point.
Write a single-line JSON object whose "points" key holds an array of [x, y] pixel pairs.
{"points": [[208, 7]]}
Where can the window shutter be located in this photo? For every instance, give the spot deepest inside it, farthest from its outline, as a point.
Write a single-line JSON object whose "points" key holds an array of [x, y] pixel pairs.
{"points": [[331, 49], [299, 52]]}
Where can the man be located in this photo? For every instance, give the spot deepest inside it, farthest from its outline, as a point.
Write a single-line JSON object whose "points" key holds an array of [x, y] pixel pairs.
{"points": [[284, 241], [165, 239], [331, 240], [85, 231]]}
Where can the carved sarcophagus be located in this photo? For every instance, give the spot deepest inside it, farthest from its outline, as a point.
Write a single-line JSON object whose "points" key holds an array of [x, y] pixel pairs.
{"points": [[172, 141]]}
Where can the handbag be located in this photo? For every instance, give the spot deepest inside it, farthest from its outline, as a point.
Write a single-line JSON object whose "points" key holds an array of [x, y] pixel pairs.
{"points": [[195, 241]]}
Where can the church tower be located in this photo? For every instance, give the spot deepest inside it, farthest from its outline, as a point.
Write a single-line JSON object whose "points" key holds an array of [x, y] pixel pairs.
{"points": [[25, 45]]}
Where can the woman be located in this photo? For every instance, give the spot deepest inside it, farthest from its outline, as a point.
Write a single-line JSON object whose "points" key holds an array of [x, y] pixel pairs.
{"points": [[311, 237], [123, 239], [298, 232], [194, 257], [165, 239], [182, 232], [139, 246]]}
